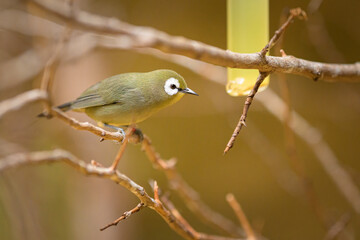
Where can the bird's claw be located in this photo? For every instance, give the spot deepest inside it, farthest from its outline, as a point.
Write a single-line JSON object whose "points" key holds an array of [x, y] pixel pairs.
{"points": [[122, 132]]}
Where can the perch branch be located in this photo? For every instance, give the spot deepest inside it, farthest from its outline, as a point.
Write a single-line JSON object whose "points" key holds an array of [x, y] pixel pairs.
{"points": [[25, 98], [58, 155], [247, 104], [145, 37], [86, 126]]}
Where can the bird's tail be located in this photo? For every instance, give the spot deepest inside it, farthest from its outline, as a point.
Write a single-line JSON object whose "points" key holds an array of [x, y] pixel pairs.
{"points": [[63, 107]]}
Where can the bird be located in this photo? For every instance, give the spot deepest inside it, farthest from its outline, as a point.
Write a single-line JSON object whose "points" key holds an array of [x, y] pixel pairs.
{"points": [[129, 98]]}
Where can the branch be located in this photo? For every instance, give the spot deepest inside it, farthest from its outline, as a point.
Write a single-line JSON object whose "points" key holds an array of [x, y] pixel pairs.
{"points": [[166, 201], [21, 100], [338, 227], [241, 216], [247, 104], [59, 155], [145, 37]]}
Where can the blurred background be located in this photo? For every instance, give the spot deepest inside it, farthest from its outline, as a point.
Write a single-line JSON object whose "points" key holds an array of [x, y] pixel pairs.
{"points": [[56, 202]]}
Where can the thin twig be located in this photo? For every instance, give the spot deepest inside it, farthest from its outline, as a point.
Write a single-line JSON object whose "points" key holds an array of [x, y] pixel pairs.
{"points": [[338, 227], [295, 12], [230, 198], [165, 200], [124, 216], [122, 148], [247, 104], [120, 153], [145, 37]]}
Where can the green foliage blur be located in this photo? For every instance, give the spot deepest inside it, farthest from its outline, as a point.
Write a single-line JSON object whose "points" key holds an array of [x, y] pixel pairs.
{"points": [[55, 202]]}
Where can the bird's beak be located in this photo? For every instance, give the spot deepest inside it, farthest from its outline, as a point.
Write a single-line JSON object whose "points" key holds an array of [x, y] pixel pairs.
{"points": [[189, 91]]}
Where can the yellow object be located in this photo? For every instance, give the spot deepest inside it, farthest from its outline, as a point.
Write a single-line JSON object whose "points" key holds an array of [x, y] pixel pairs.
{"points": [[247, 32]]}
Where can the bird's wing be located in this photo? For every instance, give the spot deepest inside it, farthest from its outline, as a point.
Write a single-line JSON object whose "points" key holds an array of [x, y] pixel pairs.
{"points": [[110, 91], [91, 100]]}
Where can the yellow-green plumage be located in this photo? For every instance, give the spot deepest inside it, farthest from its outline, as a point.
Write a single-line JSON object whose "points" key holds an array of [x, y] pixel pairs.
{"points": [[129, 97]]}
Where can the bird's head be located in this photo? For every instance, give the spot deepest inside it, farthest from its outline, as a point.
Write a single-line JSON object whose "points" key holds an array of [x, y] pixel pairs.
{"points": [[170, 86]]}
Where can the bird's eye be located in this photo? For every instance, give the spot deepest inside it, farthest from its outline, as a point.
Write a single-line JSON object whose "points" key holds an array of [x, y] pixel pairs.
{"points": [[171, 86]]}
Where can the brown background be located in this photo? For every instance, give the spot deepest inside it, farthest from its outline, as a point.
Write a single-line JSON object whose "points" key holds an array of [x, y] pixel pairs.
{"points": [[55, 202]]}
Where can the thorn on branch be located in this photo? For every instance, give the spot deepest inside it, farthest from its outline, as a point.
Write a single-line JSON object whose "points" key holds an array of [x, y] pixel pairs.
{"points": [[156, 192], [96, 164]]}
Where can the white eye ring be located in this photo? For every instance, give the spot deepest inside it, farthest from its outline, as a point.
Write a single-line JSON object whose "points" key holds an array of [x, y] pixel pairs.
{"points": [[169, 86]]}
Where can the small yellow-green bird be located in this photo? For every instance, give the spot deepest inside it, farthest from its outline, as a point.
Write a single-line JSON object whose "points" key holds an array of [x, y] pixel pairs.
{"points": [[129, 98]]}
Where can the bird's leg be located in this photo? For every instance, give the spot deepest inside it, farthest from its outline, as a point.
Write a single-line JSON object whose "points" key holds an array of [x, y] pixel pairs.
{"points": [[129, 132]]}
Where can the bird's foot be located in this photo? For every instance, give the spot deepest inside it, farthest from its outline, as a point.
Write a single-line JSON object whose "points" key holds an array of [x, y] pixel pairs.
{"points": [[140, 136], [135, 133], [118, 129]]}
